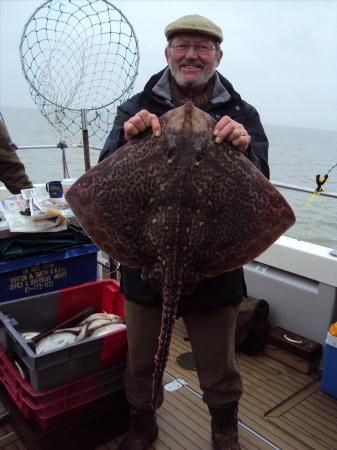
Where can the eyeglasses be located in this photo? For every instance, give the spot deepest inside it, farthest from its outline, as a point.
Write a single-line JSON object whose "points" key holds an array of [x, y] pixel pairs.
{"points": [[200, 49]]}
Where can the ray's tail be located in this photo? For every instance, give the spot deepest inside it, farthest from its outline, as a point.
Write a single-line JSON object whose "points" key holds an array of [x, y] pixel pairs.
{"points": [[171, 299]]}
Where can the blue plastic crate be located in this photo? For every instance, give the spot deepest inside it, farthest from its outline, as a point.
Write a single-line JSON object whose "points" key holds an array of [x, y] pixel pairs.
{"points": [[329, 377], [47, 272]]}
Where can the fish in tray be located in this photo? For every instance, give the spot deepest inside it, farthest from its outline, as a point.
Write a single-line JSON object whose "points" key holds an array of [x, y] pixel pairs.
{"points": [[55, 341], [106, 329], [28, 335], [93, 326]]}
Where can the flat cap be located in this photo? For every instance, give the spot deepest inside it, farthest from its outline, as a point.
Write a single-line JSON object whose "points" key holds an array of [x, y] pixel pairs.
{"points": [[194, 23]]}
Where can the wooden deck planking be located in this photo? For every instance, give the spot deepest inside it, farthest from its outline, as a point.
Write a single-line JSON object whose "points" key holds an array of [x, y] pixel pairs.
{"points": [[188, 375], [323, 401], [185, 401], [184, 421], [313, 426], [254, 374], [304, 442], [319, 416], [280, 380]]}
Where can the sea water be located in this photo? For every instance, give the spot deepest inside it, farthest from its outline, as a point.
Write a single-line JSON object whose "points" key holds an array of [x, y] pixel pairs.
{"points": [[296, 156]]}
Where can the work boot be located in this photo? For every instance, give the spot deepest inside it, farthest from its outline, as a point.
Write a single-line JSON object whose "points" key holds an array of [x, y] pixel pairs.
{"points": [[143, 429], [224, 425]]}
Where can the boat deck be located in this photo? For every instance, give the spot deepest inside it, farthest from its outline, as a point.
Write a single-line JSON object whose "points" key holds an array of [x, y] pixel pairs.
{"points": [[281, 408]]}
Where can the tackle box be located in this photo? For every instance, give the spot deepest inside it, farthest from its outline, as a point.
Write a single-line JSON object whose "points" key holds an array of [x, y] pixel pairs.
{"points": [[293, 350], [42, 312], [46, 272], [49, 408]]}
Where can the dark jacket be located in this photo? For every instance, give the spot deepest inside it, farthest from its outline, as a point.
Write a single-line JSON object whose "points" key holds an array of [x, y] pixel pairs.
{"points": [[12, 169], [229, 287]]}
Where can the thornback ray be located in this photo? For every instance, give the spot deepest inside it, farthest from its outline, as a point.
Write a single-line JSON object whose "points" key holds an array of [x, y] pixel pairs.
{"points": [[181, 208]]}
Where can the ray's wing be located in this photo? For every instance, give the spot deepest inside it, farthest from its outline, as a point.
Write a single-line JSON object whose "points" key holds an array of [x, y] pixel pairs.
{"points": [[112, 201], [240, 212]]}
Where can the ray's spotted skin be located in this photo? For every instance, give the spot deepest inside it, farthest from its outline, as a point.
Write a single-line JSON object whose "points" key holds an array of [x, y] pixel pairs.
{"points": [[181, 207]]}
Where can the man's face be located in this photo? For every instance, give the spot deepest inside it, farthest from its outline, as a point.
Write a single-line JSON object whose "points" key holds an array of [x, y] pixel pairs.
{"points": [[192, 59]]}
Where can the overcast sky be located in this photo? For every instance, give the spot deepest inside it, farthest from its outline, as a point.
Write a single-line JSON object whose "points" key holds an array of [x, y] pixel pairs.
{"points": [[281, 56]]}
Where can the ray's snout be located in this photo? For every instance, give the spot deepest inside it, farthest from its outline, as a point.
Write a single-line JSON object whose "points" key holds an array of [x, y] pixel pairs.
{"points": [[187, 118]]}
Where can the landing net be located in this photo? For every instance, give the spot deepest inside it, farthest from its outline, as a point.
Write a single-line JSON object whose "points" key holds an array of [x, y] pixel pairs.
{"points": [[79, 55]]}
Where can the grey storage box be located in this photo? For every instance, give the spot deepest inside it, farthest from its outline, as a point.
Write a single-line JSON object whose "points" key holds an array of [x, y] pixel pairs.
{"points": [[45, 311]]}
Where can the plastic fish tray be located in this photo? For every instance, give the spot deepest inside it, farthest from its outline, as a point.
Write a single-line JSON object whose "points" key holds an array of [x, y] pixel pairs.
{"points": [[42, 312]]}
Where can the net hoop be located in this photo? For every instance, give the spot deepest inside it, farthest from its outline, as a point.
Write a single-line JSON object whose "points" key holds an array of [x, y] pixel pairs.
{"points": [[28, 74]]}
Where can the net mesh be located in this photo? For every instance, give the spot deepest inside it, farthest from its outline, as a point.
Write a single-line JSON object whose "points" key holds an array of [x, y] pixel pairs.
{"points": [[79, 54]]}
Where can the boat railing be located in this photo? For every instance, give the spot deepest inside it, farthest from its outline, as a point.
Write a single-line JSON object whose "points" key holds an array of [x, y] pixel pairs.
{"points": [[302, 189], [32, 147], [291, 187]]}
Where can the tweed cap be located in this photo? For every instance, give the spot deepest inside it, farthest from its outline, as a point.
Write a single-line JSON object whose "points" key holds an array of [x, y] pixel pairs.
{"points": [[194, 23]]}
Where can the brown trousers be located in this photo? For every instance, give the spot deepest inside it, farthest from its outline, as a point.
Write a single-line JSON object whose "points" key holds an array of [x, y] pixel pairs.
{"points": [[212, 338]]}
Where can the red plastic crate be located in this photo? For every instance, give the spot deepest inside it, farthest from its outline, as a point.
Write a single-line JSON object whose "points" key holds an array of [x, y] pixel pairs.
{"points": [[52, 408], [98, 423], [99, 381]]}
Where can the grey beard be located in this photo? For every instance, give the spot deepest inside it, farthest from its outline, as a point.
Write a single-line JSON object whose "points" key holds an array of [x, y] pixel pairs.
{"points": [[190, 85]]}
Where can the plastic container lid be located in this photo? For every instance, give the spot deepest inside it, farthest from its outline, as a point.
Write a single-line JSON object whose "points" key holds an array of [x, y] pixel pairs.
{"points": [[331, 340]]}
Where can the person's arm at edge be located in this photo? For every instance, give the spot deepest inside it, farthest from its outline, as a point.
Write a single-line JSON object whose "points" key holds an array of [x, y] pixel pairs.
{"points": [[13, 174]]}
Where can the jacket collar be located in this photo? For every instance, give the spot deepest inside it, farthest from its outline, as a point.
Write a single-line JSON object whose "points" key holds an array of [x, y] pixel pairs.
{"points": [[162, 88]]}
